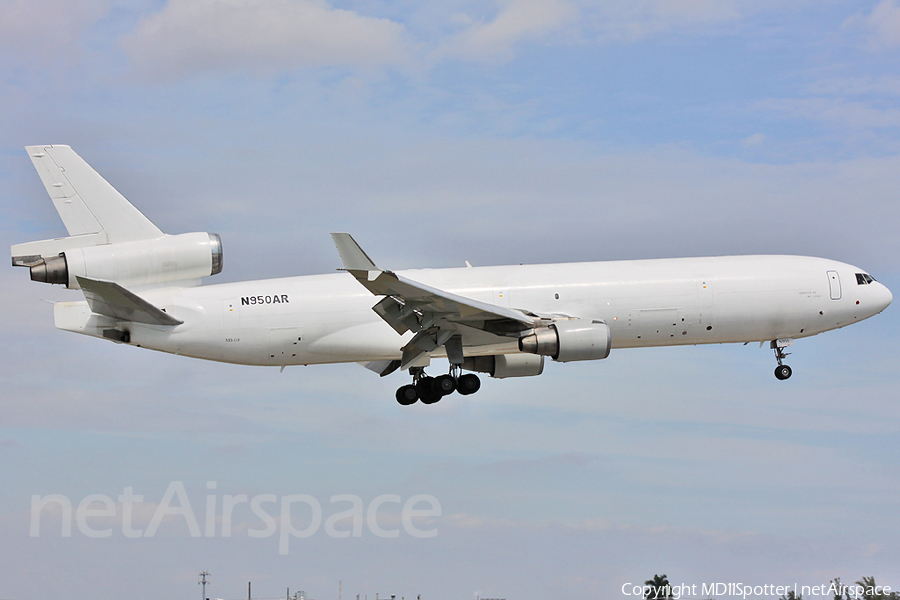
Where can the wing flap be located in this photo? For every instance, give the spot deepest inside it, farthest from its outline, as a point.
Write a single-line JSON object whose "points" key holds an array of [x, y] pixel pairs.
{"points": [[111, 299]]}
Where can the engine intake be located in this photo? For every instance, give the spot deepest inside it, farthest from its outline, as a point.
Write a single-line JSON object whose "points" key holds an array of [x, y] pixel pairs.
{"points": [[570, 340]]}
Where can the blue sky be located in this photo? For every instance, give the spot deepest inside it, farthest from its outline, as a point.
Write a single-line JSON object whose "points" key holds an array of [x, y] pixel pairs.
{"points": [[499, 132]]}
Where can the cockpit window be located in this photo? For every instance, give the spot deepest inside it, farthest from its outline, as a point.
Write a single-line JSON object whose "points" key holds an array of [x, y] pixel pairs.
{"points": [[864, 279]]}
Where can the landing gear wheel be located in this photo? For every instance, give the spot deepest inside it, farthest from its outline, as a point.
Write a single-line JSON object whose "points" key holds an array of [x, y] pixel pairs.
{"points": [[444, 384], [782, 372], [468, 384], [427, 391], [431, 398], [407, 395]]}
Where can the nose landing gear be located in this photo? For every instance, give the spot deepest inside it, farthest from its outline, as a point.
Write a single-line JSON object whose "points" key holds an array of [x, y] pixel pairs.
{"points": [[782, 371], [431, 389]]}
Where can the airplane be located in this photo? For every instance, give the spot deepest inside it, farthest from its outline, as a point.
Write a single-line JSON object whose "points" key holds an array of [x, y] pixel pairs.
{"points": [[142, 287]]}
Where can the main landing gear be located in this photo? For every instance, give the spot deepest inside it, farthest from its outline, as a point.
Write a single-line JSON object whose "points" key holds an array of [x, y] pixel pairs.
{"points": [[782, 371], [431, 389]]}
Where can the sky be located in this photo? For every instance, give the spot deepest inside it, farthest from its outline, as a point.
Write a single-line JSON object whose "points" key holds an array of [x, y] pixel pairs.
{"points": [[498, 132]]}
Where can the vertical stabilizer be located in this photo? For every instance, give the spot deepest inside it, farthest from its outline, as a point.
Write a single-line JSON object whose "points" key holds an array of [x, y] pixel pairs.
{"points": [[85, 201]]}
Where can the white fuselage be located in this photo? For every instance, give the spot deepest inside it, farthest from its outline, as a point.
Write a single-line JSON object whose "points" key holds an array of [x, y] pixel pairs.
{"points": [[329, 318]]}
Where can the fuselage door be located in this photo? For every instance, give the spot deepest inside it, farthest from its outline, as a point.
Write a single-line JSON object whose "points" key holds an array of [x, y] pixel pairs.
{"points": [[834, 284]]}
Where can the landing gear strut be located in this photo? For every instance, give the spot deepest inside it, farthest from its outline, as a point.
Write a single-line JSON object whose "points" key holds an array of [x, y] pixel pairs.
{"points": [[431, 389], [782, 371]]}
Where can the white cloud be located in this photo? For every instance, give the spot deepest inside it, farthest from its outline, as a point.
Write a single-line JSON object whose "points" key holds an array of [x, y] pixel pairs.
{"points": [[565, 21], [44, 27], [519, 20], [835, 110], [857, 86], [753, 140], [266, 35], [885, 24], [631, 20]]}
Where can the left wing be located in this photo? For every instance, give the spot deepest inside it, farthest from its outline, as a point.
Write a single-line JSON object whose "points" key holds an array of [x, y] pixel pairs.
{"points": [[432, 314]]}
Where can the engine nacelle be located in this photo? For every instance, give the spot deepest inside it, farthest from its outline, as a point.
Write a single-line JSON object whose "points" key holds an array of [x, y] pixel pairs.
{"points": [[502, 366], [565, 341], [167, 258]]}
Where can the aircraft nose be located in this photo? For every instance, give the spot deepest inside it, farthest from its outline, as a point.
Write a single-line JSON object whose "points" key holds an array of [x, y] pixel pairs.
{"points": [[884, 297]]}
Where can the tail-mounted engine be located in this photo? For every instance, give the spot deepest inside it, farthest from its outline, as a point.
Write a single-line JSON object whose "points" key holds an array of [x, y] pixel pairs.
{"points": [[167, 258], [565, 341]]}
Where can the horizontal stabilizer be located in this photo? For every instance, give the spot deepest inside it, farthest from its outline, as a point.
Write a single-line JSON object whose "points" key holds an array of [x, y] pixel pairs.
{"points": [[30, 253], [111, 299]]}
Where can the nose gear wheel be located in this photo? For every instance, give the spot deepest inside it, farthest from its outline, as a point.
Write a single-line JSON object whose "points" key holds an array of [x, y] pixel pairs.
{"points": [[782, 371]]}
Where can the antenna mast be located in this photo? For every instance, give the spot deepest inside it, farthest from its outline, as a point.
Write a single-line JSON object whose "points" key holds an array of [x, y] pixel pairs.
{"points": [[203, 581]]}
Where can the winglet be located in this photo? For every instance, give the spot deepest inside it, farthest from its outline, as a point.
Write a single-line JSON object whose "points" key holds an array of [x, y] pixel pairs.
{"points": [[353, 257]]}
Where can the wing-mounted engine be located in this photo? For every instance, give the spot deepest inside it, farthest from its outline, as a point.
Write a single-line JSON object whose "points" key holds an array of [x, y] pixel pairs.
{"points": [[569, 340], [169, 258], [502, 366]]}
